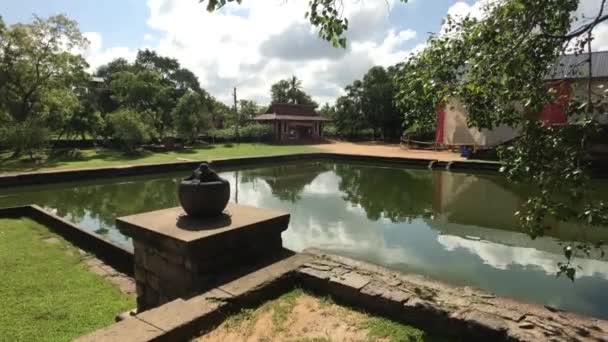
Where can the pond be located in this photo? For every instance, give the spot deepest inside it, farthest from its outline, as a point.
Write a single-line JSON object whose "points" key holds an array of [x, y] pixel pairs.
{"points": [[455, 227]]}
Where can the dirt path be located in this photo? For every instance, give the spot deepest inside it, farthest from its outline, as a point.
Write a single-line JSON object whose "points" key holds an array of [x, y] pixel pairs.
{"points": [[297, 316], [387, 150]]}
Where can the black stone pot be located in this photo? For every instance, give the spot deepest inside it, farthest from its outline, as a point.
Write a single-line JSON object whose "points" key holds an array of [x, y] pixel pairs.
{"points": [[204, 199]]}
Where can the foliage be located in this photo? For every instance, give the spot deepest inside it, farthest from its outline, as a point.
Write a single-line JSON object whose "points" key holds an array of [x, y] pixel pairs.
{"points": [[368, 104], [36, 305], [252, 132], [349, 118], [128, 128], [30, 137], [497, 66], [152, 85], [38, 74], [248, 109], [192, 115], [290, 91]]}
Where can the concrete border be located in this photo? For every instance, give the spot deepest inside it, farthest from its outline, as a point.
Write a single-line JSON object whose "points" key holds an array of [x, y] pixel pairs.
{"points": [[183, 319], [112, 254], [45, 177]]}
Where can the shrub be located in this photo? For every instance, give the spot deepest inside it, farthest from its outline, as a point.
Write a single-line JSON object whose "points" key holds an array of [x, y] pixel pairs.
{"points": [[252, 132], [128, 128], [30, 137]]}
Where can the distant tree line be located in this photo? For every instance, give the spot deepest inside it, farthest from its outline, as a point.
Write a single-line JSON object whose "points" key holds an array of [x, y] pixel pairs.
{"points": [[47, 94]]}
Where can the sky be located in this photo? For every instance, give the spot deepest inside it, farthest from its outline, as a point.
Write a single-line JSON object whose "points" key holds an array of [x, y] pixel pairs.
{"points": [[255, 44]]}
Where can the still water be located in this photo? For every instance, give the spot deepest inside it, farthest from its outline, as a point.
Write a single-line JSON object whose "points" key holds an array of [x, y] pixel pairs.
{"points": [[455, 227]]}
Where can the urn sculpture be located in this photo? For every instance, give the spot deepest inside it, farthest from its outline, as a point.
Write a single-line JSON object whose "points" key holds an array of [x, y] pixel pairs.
{"points": [[204, 193]]}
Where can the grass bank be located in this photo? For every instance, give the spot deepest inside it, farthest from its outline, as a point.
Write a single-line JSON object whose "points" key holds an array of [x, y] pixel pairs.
{"points": [[93, 158], [46, 292]]}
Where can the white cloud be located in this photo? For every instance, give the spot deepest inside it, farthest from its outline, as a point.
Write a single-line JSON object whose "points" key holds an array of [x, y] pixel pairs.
{"points": [[97, 55], [261, 41]]}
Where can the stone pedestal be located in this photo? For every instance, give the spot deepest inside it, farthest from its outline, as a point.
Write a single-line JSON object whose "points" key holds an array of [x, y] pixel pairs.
{"points": [[177, 256]]}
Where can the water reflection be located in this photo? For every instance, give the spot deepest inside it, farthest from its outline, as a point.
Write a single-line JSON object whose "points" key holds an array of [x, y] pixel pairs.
{"points": [[451, 226]]}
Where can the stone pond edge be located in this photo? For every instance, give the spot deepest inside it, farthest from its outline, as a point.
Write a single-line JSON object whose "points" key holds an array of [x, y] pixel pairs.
{"points": [[363, 286], [56, 176]]}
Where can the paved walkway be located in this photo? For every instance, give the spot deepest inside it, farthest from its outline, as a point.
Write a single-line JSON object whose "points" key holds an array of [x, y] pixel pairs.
{"points": [[387, 150]]}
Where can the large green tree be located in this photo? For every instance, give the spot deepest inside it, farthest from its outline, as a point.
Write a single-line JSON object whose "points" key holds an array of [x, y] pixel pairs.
{"points": [[38, 73], [152, 85]]}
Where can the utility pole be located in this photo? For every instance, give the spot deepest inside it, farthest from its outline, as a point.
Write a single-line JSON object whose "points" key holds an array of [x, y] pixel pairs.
{"points": [[236, 116]]}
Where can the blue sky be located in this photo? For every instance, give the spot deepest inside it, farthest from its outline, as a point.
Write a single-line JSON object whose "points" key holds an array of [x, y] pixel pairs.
{"points": [[103, 16], [123, 22], [252, 45]]}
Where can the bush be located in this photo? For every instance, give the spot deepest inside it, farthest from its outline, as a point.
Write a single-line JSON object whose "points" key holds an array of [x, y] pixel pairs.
{"points": [[30, 137], [256, 132], [252, 132], [128, 128], [330, 131]]}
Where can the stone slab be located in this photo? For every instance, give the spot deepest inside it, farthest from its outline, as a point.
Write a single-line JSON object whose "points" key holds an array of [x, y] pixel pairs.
{"points": [[132, 330], [181, 318], [185, 231]]}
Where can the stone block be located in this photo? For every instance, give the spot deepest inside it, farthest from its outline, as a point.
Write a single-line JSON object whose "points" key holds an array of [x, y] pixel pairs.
{"points": [[382, 290], [351, 279], [177, 255]]}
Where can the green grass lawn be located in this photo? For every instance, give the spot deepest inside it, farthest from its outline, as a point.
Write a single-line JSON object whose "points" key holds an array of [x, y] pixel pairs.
{"points": [[92, 158], [46, 293]]}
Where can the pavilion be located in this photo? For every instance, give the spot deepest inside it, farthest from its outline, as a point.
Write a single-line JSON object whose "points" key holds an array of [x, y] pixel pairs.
{"points": [[294, 122]]}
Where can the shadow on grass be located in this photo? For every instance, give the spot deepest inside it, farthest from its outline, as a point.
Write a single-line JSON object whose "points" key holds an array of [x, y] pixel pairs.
{"points": [[55, 160]]}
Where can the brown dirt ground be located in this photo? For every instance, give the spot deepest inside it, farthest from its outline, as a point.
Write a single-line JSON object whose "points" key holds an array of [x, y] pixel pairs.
{"points": [[300, 317], [309, 320], [387, 150]]}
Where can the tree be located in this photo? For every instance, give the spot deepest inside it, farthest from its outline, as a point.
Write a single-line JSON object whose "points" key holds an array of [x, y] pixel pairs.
{"points": [[29, 136], [36, 66], [349, 118], [144, 92], [105, 102], [497, 66], [289, 91], [192, 115], [248, 109], [152, 85], [221, 114], [377, 103], [128, 128]]}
